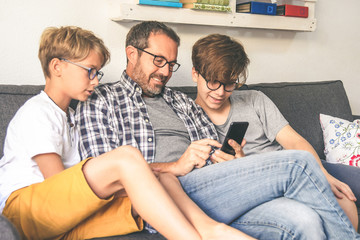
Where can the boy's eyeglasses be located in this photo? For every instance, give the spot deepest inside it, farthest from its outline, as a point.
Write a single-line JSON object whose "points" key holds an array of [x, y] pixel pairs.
{"points": [[160, 61], [92, 71], [215, 85]]}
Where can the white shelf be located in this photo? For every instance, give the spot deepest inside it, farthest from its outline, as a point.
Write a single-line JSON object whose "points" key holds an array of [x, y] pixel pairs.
{"points": [[135, 12]]}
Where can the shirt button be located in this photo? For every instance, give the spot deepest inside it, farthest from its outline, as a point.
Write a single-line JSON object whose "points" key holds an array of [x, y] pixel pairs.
{"points": [[149, 139], [146, 120], [137, 89], [141, 104]]}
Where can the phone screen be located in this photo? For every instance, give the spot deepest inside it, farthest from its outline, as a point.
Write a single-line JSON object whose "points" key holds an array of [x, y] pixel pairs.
{"points": [[236, 132]]}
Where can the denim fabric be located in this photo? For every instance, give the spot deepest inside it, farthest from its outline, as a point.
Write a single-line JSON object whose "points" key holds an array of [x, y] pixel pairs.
{"points": [[281, 218], [228, 190]]}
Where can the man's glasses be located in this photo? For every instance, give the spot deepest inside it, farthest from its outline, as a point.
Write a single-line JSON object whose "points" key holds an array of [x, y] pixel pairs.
{"points": [[92, 71], [215, 85], [160, 61]]}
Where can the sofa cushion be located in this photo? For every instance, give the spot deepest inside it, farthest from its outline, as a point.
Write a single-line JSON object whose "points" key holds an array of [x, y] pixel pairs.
{"points": [[7, 230], [341, 139], [301, 104]]}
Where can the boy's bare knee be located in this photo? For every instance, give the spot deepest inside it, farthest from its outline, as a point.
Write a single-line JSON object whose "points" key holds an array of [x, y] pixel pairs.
{"points": [[128, 153], [127, 149], [129, 158]]}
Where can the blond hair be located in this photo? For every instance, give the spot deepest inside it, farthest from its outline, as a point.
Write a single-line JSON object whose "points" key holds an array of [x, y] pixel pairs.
{"points": [[70, 43]]}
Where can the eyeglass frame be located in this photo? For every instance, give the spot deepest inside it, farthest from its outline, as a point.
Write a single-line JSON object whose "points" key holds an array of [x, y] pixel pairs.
{"points": [[220, 84], [171, 68], [99, 74]]}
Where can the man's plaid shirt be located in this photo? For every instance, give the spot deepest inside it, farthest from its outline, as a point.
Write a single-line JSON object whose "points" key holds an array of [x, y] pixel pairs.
{"points": [[116, 114]]}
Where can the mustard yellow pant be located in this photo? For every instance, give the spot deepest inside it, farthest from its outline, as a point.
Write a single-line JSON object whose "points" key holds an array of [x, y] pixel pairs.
{"points": [[64, 207]]}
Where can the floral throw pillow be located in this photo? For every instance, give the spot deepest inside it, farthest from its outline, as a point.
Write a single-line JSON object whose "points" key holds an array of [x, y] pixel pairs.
{"points": [[341, 140]]}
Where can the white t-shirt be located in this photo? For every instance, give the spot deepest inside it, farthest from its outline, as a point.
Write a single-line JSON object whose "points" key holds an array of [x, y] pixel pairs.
{"points": [[38, 127]]}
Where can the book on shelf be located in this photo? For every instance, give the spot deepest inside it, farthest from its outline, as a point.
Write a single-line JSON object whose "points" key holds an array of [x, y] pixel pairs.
{"points": [[256, 8], [292, 11], [207, 7], [177, 1], [161, 3], [214, 2]]}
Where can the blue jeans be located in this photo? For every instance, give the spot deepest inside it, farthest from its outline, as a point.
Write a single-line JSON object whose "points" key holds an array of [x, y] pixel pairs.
{"points": [[281, 218], [233, 192]]}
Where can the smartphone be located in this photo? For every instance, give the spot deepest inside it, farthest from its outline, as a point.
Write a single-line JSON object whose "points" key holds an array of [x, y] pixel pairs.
{"points": [[236, 132]]}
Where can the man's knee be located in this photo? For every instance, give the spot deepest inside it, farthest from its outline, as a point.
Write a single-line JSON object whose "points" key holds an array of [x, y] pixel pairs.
{"points": [[307, 227], [305, 157], [281, 218]]}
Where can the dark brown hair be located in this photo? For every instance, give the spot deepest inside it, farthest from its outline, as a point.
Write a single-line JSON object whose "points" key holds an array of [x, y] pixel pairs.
{"points": [[138, 35], [219, 57]]}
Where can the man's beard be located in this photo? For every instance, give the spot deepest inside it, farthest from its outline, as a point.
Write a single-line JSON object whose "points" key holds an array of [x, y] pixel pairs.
{"points": [[141, 79]]}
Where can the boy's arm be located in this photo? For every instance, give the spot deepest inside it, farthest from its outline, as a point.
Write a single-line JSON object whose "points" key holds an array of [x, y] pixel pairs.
{"points": [[290, 139], [49, 164]]}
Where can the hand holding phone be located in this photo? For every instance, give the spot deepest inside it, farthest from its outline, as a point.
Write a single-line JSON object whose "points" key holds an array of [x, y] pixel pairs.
{"points": [[236, 132]]}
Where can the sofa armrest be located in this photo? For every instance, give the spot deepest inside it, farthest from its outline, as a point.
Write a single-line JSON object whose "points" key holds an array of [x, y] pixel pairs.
{"points": [[356, 117]]}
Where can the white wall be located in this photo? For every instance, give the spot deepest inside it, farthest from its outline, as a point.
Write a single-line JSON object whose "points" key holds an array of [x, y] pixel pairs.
{"points": [[331, 52]]}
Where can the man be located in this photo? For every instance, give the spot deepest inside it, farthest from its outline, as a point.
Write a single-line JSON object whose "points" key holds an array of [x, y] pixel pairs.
{"points": [[174, 135]]}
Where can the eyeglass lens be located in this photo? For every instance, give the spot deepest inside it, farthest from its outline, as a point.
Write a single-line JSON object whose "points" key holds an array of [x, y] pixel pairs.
{"points": [[161, 62], [93, 73], [214, 85]]}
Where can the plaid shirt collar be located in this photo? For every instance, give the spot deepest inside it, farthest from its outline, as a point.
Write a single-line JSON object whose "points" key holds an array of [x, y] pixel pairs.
{"points": [[129, 85]]}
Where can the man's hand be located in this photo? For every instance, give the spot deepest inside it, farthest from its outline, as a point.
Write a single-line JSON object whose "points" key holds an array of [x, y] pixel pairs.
{"points": [[195, 156], [220, 156]]}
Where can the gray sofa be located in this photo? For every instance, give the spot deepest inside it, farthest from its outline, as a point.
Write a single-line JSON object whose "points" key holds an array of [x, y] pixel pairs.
{"points": [[301, 103]]}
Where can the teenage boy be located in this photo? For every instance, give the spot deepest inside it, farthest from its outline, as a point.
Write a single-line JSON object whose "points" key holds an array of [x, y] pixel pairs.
{"points": [[48, 193], [174, 135], [219, 62]]}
